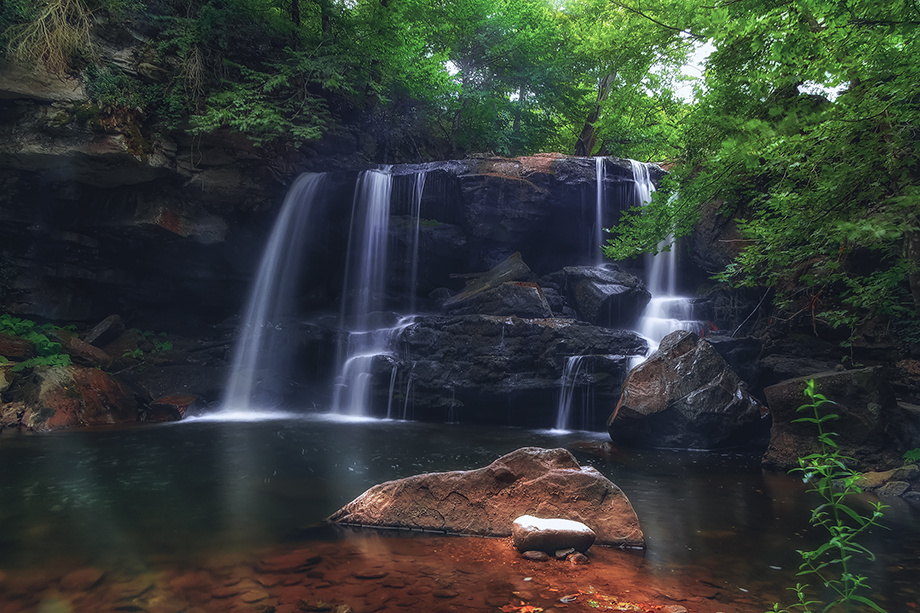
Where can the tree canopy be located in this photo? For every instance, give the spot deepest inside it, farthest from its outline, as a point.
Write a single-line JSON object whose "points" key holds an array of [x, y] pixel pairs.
{"points": [[806, 132], [804, 127]]}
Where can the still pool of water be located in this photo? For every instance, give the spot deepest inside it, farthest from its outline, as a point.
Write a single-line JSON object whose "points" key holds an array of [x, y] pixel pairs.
{"points": [[214, 503]]}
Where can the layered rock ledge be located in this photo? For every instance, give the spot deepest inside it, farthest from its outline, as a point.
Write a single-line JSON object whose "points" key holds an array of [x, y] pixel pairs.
{"points": [[486, 501]]}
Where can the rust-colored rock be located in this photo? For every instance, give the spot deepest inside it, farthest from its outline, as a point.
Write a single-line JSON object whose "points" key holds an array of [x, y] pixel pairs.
{"points": [[15, 348], [73, 396], [485, 501]]}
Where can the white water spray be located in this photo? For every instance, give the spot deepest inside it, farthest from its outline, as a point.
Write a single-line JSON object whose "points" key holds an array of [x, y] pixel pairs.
{"points": [[260, 352], [570, 372], [416, 214], [600, 174], [667, 311], [363, 294]]}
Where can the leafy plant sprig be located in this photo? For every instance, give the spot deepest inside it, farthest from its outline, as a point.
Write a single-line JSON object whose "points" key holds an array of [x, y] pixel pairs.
{"points": [[830, 563], [912, 456], [49, 352]]}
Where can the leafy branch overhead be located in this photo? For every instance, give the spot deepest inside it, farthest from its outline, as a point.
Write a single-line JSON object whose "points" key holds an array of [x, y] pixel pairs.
{"points": [[806, 134]]}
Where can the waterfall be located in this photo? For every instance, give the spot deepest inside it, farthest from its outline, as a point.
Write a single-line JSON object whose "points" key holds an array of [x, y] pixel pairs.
{"points": [[600, 174], [569, 380], [262, 349], [416, 215], [667, 311], [363, 294]]}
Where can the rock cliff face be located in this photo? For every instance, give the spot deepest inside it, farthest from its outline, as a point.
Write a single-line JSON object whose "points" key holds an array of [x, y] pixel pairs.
{"points": [[100, 215]]}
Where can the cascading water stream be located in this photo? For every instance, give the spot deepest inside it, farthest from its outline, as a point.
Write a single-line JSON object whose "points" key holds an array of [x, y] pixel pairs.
{"points": [[600, 174], [667, 311], [261, 351], [363, 292], [416, 215], [570, 372]]}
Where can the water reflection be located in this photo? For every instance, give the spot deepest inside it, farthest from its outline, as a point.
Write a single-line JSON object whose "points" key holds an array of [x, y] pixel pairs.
{"points": [[175, 494]]}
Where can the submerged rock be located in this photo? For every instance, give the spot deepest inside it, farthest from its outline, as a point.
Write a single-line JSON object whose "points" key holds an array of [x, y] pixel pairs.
{"points": [[686, 396], [485, 501]]}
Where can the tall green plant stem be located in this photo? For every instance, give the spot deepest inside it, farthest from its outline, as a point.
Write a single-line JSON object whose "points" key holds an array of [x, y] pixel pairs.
{"points": [[830, 478]]}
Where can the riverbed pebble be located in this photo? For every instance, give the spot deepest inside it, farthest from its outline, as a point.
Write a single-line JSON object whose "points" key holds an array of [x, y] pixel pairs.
{"points": [[537, 556]]}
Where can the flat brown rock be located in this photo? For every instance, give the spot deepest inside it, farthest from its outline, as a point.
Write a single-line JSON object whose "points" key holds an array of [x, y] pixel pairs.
{"points": [[485, 501]]}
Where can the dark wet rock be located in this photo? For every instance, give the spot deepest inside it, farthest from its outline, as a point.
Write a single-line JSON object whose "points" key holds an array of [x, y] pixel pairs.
{"points": [[562, 554], [872, 429], [512, 269], [536, 556], [16, 348], [513, 298], [491, 368], [169, 408], [549, 483], [549, 535], [605, 295], [105, 331], [80, 351], [716, 239], [741, 355], [686, 396]]}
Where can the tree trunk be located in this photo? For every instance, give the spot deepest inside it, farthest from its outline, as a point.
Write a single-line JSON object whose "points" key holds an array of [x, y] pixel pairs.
{"points": [[295, 12], [587, 139]]}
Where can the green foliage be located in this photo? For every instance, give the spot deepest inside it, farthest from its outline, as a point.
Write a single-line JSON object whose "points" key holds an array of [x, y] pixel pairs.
{"points": [[48, 352], [825, 186], [912, 456], [268, 107], [153, 345], [113, 88], [831, 562]]}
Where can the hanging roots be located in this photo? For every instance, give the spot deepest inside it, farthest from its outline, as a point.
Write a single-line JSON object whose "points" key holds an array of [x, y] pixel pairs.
{"points": [[58, 38]]}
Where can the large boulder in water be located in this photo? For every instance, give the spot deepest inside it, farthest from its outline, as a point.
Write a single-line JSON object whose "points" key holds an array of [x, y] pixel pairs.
{"points": [[486, 501], [686, 396], [872, 428], [605, 295]]}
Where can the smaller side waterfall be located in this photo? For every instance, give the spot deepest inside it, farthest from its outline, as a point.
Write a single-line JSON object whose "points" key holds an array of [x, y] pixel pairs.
{"points": [[600, 173], [667, 311], [570, 372], [416, 216], [263, 346], [363, 295]]}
